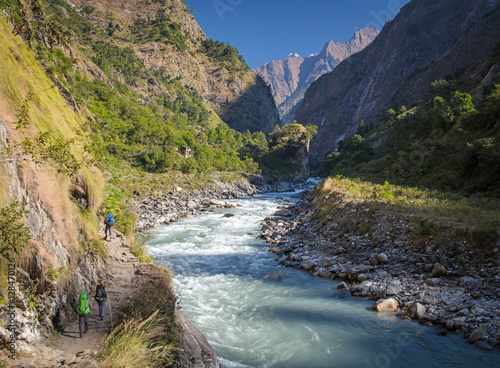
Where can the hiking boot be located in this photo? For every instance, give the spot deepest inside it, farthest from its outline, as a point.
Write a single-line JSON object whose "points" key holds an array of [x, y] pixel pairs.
{"points": [[102, 318]]}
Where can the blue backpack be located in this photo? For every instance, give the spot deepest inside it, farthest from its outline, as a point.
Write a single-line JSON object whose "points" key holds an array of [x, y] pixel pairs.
{"points": [[111, 220]]}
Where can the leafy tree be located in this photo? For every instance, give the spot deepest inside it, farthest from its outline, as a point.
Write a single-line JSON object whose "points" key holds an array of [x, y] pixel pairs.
{"points": [[14, 234], [462, 104]]}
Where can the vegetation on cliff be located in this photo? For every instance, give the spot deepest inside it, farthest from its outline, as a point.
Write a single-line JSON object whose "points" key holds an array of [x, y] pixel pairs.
{"points": [[447, 142], [286, 153]]}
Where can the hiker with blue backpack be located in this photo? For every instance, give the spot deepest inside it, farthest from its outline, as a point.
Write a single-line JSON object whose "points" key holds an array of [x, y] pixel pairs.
{"points": [[83, 309], [108, 221]]}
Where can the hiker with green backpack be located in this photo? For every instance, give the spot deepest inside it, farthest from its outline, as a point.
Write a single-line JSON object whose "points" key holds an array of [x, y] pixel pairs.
{"points": [[83, 309]]}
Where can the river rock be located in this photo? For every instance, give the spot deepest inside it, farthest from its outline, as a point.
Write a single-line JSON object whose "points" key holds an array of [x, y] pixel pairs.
{"points": [[276, 250], [393, 288], [308, 265], [276, 275], [227, 215], [283, 213], [283, 186], [415, 311], [338, 251], [282, 258], [483, 345], [342, 294], [322, 272], [438, 270], [342, 285], [477, 334], [355, 271], [476, 310], [382, 258], [363, 277], [385, 305]]}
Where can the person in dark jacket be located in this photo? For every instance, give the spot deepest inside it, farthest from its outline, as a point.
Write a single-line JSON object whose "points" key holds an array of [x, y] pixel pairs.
{"points": [[101, 296]]}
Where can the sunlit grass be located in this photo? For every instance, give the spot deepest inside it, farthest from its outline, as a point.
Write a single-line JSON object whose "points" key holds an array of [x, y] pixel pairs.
{"points": [[470, 211], [132, 344], [146, 337], [47, 111]]}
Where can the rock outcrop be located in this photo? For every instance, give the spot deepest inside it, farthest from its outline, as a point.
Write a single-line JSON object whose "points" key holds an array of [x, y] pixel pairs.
{"points": [[427, 41], [289, 78], [196, 352]]}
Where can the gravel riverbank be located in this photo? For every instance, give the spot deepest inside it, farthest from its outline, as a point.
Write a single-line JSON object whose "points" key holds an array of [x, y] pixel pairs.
{"points": [[436, 281], [181, 203]]}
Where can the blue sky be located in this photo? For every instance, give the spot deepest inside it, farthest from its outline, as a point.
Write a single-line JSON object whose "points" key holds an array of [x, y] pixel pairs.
{"points": [[265, 30]]}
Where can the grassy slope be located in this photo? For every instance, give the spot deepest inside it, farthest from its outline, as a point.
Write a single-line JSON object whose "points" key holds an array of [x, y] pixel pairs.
{"points": [[48, 111], [475, 219]]}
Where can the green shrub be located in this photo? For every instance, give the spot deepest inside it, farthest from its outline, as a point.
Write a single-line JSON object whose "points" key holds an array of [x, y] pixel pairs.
{"points": [[14, 234], [484, 238]]}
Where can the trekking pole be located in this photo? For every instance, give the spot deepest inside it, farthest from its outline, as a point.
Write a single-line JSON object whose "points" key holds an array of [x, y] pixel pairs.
{"points": [[110, 314]]}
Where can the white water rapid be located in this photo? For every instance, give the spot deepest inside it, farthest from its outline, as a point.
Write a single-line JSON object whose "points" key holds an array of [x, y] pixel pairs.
{"points": [[220, 268]]}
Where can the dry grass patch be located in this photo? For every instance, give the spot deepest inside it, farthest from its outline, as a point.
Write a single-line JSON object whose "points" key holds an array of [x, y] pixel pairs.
{"points": [[146, 335]]}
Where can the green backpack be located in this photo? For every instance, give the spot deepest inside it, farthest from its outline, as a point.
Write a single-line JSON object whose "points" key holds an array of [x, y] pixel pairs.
{"points": [[83, 306]]}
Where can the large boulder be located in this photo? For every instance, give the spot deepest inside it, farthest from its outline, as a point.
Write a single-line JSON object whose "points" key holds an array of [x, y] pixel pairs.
{"points": [[355, 271], [195, 350], [415, 311], [438, 270], [386, 305], [308, 265], [477, 334], [382, 258], [393, 288], [283, 213]]}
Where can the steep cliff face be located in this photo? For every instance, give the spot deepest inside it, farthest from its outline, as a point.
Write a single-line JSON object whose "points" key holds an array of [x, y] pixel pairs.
{"points": [[427, 41], [53, 217], [176, 46], [289, 78]]}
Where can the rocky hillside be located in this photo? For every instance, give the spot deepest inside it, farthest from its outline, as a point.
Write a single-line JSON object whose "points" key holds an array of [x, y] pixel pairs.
{"points": [[427, 41], [165, 35], [289, 78]]}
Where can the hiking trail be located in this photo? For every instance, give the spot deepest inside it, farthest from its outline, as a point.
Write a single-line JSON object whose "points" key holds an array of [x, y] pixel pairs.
{"points": [[68, 348]]}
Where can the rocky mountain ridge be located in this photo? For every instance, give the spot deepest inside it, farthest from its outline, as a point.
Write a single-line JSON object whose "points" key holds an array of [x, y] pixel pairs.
{"points": [[289, 78], [427, 41]]}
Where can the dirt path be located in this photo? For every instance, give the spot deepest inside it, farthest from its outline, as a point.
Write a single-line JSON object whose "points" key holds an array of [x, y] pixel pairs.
{"points": [[69, 349]]}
